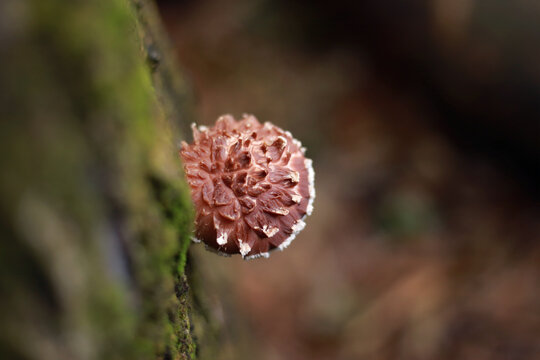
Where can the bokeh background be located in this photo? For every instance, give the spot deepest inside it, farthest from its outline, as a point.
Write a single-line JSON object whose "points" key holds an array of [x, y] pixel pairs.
{"points": [[423, 121]]}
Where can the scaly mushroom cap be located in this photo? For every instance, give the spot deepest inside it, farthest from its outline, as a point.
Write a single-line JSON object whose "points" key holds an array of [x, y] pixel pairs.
{"points": [[251, 186]]}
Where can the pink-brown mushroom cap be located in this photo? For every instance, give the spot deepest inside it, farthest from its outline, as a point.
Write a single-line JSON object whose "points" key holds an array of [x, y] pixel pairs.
{"points": [[251, 186]]}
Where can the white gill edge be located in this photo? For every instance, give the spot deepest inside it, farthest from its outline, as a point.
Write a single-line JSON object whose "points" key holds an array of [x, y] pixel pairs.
{"points": [[222, 238], [297, 227], [311, 179], [244, 248], [265, 255], [300, 224]]}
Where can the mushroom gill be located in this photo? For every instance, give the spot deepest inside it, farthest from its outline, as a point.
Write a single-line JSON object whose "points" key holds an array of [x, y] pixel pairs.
{"points": [[251, 186]]}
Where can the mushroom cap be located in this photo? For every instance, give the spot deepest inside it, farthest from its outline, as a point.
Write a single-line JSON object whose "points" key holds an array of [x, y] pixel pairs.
{"points": [[251, 186]]}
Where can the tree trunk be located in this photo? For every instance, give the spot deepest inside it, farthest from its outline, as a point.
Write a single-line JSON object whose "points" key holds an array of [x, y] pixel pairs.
{"points": [[95, 217]]}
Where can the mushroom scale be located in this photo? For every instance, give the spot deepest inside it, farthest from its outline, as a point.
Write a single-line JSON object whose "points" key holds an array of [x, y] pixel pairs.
{"points": [[251, 185]]}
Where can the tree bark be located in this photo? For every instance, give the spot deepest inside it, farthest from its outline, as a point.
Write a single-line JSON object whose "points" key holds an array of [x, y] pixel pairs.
{"points": [[95, 217]]}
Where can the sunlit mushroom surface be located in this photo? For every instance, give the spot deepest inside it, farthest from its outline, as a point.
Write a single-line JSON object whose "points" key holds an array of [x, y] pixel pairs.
{"points": [[251, 186]]}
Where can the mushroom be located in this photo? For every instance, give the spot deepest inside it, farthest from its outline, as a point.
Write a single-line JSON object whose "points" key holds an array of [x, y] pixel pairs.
{"points": [[251, 186]]}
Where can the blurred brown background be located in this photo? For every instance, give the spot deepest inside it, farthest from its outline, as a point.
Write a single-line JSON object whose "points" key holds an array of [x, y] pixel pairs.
{"points": [[423, 120]]}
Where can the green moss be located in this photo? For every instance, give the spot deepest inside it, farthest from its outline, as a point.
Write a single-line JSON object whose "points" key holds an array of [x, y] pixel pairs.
{"points": [[93, 165]]}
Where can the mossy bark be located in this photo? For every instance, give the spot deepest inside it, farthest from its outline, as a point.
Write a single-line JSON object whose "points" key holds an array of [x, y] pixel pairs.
{"points": [[94, 214]]}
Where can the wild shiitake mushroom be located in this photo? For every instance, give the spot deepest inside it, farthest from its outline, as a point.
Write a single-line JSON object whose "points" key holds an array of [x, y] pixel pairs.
{"points": [[251, 185]]}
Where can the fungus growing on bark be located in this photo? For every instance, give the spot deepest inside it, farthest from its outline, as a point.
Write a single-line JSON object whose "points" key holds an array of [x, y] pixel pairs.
{"points": [[251, 185]]}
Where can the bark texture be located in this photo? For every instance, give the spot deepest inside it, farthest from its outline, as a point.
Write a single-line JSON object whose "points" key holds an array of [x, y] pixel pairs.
{"points": [[95, 218]]}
